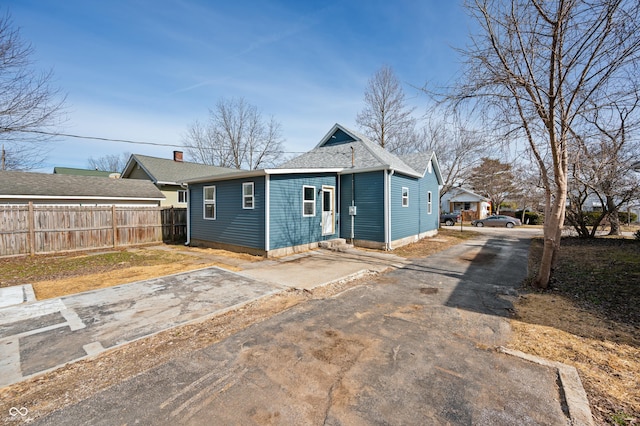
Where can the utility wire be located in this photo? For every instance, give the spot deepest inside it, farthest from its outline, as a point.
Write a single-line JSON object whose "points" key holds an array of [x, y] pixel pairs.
{"points": [[97, 138]]}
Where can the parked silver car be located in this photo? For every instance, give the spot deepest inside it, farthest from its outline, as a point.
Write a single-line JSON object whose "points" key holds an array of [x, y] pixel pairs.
{"points": [[498, 221]]}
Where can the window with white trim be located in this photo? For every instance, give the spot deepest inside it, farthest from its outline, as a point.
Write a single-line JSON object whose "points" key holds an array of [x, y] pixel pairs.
{"points": [[209, 202], [405, 196], [429, 203], [182, 197], [308, 201], [247, 195]]}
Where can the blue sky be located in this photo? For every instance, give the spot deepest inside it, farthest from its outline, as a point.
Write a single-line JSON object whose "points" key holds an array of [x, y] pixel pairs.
{"points": [[145, 70]]}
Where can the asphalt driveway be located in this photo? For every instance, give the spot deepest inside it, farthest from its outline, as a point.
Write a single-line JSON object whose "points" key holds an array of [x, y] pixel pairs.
{"points": [[414, 346]]}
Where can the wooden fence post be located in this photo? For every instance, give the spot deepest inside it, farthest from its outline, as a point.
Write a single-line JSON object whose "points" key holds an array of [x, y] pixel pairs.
{"points": [[32, 231], [114, 225]]}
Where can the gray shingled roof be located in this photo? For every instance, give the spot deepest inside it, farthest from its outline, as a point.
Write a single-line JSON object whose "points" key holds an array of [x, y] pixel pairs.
{"points": [[367, 155], [81, 172], [170, 171], [417, 161], [60, 185]]}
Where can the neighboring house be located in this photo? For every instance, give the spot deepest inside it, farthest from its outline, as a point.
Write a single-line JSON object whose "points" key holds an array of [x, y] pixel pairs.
{"points": [[84, 172], [470, 204], [168, 175], [346, 187], [69, 190]]}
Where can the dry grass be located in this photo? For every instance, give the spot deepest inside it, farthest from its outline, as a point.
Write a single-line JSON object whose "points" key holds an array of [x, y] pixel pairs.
{"points": [[589, 319], [61, 275], [446, 238]]}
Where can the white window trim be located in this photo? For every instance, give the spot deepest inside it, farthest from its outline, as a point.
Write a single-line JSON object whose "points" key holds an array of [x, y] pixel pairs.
{"points": [[429, 202], [309, 201], [405, 199], [245, 197], [206, 202], [184, 193]]}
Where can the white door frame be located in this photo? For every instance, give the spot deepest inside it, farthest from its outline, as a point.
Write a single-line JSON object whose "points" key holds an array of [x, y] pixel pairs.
{"points": [[328, 223]]}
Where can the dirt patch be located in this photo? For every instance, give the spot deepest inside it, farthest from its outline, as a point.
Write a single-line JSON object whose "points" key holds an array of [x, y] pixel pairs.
{"points": [[589, 319]]}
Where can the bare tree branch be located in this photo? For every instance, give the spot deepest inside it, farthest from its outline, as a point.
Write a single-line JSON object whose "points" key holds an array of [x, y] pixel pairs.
{"points": [[27, 101], [235, 136], [386, 119]]}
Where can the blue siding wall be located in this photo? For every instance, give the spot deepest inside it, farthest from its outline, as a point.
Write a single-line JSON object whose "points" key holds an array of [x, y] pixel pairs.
{"points": [[339, 138], [369, 200], [233, 224], [288, 226], [430, 183], [414, 219]]}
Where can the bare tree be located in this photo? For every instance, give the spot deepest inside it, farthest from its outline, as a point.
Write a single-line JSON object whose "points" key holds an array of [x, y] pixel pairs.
{"points": [[494, 180], [535, 67], [236, 136], [604, 165], [386, 119], [110, 162], [459, 148], [28, 104]]}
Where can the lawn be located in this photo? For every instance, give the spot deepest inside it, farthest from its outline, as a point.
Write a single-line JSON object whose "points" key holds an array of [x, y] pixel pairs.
{"points": [[589, 318]]}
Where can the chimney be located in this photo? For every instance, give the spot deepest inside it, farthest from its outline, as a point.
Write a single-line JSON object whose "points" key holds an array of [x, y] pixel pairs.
{"points": [[177, 156]]}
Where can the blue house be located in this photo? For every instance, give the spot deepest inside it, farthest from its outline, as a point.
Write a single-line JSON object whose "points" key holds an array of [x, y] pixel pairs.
{"points": [[346, 187]]}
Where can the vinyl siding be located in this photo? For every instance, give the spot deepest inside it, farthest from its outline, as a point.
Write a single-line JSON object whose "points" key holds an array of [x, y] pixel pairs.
{"points": [[138, 173], [288, 226], [369, 200], [429, 182], [414, 219], [233, 224]]}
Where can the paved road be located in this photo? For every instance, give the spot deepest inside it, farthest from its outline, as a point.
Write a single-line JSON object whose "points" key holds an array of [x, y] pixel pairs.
{"points": [[412, 347]]}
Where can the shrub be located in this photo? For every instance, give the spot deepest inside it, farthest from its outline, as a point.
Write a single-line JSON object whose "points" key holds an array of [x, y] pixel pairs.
{"points": [[624, 217], [530, 218], [637, 235]]}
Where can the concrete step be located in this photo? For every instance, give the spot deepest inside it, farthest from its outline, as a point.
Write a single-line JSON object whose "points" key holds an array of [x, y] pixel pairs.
{"points": [[336, 244]]}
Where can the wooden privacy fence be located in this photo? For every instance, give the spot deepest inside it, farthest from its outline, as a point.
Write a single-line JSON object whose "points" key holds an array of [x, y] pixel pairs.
{"points": [[174, 225], [36, 229]]}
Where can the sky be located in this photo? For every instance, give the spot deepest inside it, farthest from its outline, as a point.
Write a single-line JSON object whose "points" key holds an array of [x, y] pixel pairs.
{"points": [[145, 70]]}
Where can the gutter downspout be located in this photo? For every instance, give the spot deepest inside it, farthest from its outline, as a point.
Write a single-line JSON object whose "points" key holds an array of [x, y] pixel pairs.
{"points": [[186, 186], [387, 209], [267, 216]]}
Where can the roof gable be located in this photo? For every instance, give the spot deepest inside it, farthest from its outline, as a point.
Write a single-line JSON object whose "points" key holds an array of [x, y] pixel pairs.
{"points": [[166, 171], [344, 148], [463, 194]]}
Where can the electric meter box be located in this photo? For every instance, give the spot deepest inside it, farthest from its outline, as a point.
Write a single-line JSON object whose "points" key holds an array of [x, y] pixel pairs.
{"points": [[352, 210]]}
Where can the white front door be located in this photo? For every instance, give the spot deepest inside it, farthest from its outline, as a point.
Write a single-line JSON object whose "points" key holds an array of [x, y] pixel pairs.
{"points": [[328, 211]]}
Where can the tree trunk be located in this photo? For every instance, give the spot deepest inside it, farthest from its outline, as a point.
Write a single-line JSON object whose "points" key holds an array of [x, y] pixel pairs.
{"points": [[553, 225], [614, 219]]}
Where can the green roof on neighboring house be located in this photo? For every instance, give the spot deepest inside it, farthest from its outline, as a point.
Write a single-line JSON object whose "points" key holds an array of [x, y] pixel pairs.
{"points": [[81, 172]]}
